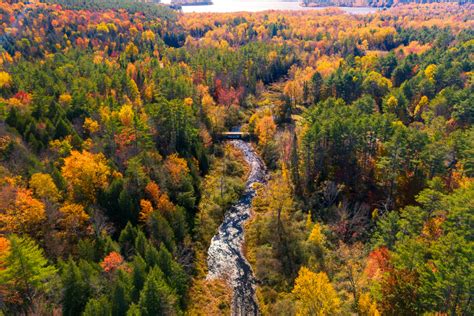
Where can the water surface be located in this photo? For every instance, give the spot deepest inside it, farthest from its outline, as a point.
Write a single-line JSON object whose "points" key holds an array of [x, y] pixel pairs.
{"points": [[256, 6]]}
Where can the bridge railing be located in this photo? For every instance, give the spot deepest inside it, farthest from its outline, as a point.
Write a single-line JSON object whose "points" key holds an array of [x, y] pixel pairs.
{"points": [[235, 135]]}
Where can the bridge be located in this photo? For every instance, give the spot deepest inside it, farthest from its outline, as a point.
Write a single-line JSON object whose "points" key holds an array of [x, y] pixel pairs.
{"points": [[235, 135]]}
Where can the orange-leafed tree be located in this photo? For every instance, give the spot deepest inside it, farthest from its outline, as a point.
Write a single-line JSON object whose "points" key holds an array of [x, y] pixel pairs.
{"points": [[112, 262], [20, 212], [177, 168], [265, 129], [146, 209], [378, 263], [160, 199], [4, 248], [153, 191]]}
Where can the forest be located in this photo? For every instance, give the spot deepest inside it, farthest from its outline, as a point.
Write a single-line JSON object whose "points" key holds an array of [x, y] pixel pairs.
{"points": [[371, 3], [114, 178]]}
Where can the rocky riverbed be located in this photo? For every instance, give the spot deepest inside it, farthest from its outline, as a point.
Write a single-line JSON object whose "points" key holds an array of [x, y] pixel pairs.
{"points": [[225, 258]]}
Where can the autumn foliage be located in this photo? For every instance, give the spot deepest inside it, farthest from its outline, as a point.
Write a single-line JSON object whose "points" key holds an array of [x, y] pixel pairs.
{"points": [[112, 262], [86, 173], [114, 177]]}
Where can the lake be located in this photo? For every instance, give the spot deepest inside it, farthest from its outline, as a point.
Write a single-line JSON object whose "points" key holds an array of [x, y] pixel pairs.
{"points": [[255, 6]]}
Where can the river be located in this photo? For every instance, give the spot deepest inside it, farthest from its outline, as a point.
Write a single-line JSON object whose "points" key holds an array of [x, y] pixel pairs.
{"points": [[255, 6], [225, 258]]}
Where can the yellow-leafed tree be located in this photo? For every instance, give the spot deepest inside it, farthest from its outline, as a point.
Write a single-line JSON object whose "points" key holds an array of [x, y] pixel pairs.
{"points": [[73, 218], [86, 173], [314, 294], [44, 187]]}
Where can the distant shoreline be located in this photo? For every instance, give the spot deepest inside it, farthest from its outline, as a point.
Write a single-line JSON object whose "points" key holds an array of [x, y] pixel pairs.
{"points": [[215, 6], [316, 5], [190, 3]]}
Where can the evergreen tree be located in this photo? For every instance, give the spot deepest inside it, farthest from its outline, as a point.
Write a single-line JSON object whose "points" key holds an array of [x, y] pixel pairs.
{"points": [[139, 268], [98, 307], [24, 272], [76, 289], [134, 310], [127, 240], [121, 294], [157, 298]]}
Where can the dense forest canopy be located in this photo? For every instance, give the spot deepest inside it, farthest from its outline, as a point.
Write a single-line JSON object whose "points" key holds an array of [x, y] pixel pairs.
{"points": [[373, 3], [113, 181]]}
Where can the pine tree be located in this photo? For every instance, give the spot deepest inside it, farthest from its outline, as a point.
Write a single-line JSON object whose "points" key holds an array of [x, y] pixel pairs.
{"points": [[24, 272], [157, 298], [121, 294], [140, 243], [138, 276], [161, 231], [76, 290], [317, 86], [134, 310], [127, 239], [98, 307], [294, 165], [152, 256], [164, 260]]}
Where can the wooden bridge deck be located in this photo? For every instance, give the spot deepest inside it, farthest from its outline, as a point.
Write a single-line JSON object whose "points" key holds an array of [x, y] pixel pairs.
{"points": [[235, 135]]}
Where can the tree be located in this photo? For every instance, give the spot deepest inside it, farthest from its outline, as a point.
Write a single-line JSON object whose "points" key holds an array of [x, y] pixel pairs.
{"points": [[265, 129], [112, 262], [421, 106], [127, 240], [294, 90], [139, 276], [24, 273], [316, 245], [20, 212], [4, 247], [351, 276], [5, 80], [317, 85], [91, 126], [76, 289], [430, 72], [446, 279], [44, 187], [177, 169], [209, 297], [134, 310], [121, 294], [366, 306], [146, 209], [314, 294], [98, 307], [156, 298], [399, 293], [85, 174], [73, 219], [376, 85]]}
